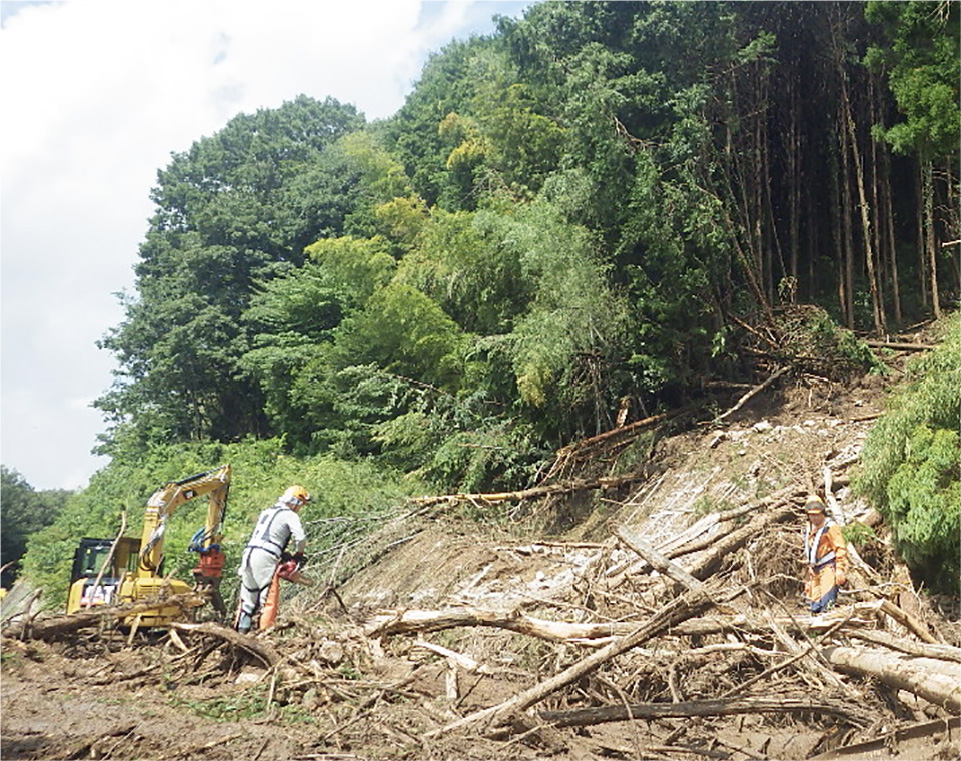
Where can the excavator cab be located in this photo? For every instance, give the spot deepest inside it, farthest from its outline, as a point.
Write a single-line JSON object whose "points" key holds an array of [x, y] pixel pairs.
{"points": [[88, 561]]}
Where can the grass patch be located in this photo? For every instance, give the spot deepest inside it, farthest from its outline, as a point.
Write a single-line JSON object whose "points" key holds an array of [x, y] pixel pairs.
{"points": [[244, 706]]}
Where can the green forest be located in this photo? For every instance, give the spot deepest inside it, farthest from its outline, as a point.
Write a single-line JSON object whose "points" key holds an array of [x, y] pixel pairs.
{"points": [[572, 222]]}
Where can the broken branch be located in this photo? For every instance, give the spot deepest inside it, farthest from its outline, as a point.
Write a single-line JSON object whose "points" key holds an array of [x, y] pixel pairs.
{"points": [[752, 393], [584, 717], [258, 648]]}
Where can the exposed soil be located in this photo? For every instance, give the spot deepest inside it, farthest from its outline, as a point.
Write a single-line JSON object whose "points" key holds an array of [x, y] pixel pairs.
{"points": [[339, 693]]}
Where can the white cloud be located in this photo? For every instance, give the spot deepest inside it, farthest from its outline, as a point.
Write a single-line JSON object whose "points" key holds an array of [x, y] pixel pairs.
{"points": [[96, 95]]}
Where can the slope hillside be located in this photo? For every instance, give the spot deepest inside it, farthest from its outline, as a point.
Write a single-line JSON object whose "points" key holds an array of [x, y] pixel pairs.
{"points": [[659, 580]]}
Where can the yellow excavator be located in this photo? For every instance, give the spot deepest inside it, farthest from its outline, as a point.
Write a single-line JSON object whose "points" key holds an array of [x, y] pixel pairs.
{"points": [[129, 570]]}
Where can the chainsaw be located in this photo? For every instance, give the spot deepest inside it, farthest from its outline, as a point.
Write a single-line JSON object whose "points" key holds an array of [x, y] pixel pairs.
{"points": [[290, 568]]}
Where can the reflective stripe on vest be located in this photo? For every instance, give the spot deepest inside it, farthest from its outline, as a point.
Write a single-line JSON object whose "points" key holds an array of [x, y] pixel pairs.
{"points": [[811, 548], [260, 540]]}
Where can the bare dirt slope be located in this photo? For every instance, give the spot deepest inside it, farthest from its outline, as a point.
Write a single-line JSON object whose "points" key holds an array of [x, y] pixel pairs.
{"points": [[452, 610]]}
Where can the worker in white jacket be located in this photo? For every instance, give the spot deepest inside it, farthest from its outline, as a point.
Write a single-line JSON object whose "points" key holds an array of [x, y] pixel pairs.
{"points": [[276, 528]]}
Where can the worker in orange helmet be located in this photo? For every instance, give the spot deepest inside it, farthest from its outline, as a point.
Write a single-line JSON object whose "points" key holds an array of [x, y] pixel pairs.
{"points": [[826, 555], [277, 528]]}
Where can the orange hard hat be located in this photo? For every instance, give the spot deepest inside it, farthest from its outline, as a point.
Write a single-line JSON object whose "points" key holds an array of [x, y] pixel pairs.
{"points": [[296, 494]]}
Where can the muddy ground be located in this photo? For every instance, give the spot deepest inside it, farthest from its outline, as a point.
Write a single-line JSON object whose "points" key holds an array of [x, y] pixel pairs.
{"points": [[340, 691]]}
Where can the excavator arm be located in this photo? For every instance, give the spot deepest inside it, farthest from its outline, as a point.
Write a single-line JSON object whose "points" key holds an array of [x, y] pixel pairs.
{"points": [[164, 503], [215, 485]]}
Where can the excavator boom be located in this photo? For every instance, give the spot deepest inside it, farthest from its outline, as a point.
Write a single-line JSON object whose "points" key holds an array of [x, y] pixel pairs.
{"points": [[164, 503]]}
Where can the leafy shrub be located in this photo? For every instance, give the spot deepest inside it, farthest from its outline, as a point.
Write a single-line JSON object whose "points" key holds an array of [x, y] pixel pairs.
{"points": [[911, 468], [809, 338]]}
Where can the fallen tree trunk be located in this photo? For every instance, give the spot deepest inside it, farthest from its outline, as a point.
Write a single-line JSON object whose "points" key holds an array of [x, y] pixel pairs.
{"points": [[928, 678], [908, 621], [57, 626], [925, 650], [810, 624], [637, 425], [679, 609], [413, 621], [946, 728], [711, 563], [409, 621], [585, 717], [579, 447], [753, 392], [567, 487], [658, 562], [899, 345], [673, 549]]}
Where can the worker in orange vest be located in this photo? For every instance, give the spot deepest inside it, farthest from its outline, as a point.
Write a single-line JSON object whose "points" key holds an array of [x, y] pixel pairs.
{"points": [[826, 555]]}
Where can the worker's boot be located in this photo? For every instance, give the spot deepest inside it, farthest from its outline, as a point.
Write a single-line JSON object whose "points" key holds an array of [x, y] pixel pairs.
{"points": [[244, 622]]}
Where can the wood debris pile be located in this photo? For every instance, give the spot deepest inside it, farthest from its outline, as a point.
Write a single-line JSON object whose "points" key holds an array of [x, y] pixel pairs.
{"points": [[709, 642], [804, 336], [681, 649]]}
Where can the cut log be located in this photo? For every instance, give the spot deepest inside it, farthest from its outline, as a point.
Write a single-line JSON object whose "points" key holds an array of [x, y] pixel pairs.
{"points": [[934, 680]]}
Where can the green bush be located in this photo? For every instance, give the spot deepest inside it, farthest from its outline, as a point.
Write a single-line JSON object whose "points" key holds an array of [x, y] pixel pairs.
{"points": [[911, 464]]}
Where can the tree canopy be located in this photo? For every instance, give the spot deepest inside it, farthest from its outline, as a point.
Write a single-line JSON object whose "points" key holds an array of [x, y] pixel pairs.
{"points": [[23, 512], [569, 212], [568, 218]]}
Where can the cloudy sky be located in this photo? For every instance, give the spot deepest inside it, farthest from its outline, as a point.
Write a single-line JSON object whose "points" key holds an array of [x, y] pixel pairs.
{"points": [[96, 95]]}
